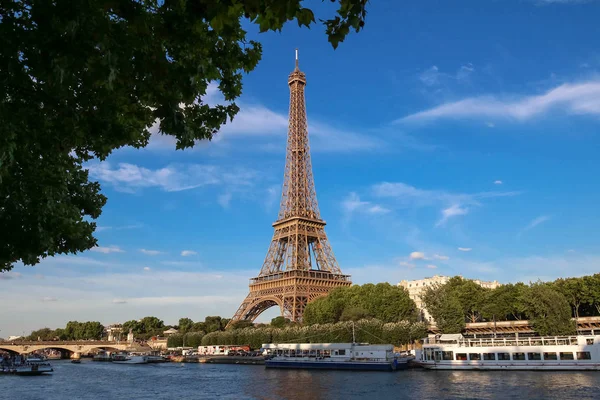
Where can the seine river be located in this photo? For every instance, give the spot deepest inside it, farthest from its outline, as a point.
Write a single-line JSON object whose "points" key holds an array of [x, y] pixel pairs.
{"points": [[106, 381]]}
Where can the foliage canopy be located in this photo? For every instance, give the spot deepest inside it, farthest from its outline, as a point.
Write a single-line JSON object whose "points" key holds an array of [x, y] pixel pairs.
{"points": [[81, 79]]}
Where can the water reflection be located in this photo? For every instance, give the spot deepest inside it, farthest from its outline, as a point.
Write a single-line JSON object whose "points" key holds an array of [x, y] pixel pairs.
{"points": [[90, 380]]}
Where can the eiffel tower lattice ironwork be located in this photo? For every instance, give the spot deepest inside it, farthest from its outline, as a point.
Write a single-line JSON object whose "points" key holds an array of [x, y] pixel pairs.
{"points": [[300, 265]]}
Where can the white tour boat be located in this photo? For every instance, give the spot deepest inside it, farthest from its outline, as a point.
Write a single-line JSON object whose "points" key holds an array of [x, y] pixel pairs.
{"points": [[520, 353], [131, 359], [346, 356]]}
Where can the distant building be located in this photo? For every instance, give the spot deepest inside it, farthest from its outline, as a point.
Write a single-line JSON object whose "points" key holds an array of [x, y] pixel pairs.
{"points": [[415, 289], [11, 338], [114, 332], [170, 331]]}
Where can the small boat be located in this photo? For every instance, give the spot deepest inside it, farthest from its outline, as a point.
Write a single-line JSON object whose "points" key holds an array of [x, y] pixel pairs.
{"points": [[340, 356], [132, 360], [32, 367], [455, 352], [76, 361]]}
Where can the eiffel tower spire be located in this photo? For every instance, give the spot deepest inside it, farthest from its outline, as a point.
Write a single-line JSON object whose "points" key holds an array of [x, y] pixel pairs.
{"points": [[300, 265]]}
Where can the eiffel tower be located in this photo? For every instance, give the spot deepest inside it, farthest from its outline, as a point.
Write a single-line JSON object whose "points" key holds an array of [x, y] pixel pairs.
{"points": [[300, 265]]}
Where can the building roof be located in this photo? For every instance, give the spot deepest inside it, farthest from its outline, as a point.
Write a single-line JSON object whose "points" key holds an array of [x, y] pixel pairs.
{"points": [[170, 331]]}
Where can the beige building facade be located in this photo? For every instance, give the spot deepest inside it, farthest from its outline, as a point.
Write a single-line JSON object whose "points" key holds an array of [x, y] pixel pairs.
{"points": [[416, 287]]}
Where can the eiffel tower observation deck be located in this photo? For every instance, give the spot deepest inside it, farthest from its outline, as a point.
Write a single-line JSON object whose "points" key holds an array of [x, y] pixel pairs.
{"points": [[300, 265]]}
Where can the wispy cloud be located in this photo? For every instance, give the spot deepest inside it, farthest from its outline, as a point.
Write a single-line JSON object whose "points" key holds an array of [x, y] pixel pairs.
{"points": [[451, 204], [224, 199], [464, 249], [578, 98], [173, 178], [440, 257], [151, 252], [535, 222], [187, 253], [352, 204], [498, 182], [10, 275], [103, 228], [147, 268], [48, 299], [431, 266], [107, 250], [453, 211]]}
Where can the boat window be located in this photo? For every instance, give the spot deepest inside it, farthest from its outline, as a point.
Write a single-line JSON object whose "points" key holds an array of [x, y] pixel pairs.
{"points": [[584, 355], [447, 355], [474, 356], [489, 356], [461, 356], [566, 356], [534, 356], [342, 352], [518, 356], [438, 356], [503, 356], [550, 356], [589, 341]]}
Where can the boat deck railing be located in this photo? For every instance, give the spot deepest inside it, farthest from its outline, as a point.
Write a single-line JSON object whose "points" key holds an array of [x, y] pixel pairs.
{"points": [[496, 342]]}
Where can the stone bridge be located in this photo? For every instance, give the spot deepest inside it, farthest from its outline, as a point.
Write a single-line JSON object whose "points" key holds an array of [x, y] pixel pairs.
{"points": [[81, 347]]}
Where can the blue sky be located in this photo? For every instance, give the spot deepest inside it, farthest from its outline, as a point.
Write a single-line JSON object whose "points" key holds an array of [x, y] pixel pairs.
{"points": [[446, 139]]}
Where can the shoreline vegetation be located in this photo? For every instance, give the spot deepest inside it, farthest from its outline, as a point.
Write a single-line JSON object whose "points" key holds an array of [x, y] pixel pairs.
{"points": [[381, 313]]}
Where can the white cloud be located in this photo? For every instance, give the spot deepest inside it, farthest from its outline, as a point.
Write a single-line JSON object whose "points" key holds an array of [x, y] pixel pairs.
{"points": [[498, 182], [377, 209], [173, 178], [406, 264], [119, 301], [352, 203], [146, 268], [433, 77], [578, 99], [440, 257], [417, 255], [48, 299], [256, 120], [151, 252], [107, 250], [186, 253], [10, 275], [535, 222], [452, 204], [465, 249], [431, 266], [490, 124], [452, 211]]}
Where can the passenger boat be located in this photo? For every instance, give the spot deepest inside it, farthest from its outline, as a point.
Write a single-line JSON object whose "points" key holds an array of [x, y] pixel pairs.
{"points": [[342, 356], [130, 359], [102, 356], [519, 353], [30, 367]]}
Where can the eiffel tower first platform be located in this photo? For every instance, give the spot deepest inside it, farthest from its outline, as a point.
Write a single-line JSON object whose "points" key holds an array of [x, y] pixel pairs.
{"points": [[300, 265]]}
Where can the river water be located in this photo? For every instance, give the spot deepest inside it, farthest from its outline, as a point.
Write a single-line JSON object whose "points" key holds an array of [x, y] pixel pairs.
{"points": [[107, 381]]}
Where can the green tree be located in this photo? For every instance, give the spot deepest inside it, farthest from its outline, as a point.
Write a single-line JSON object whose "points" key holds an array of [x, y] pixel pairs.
{"points": [[185, 325], [175, 340], [95, 77], [469, 295], [241, 324], [43, 334], [354, 314], [592, 287], [574, 290], [213, 324], [548, 310], [504, 303], [381, 301], [445, 308], [279, 322]]}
